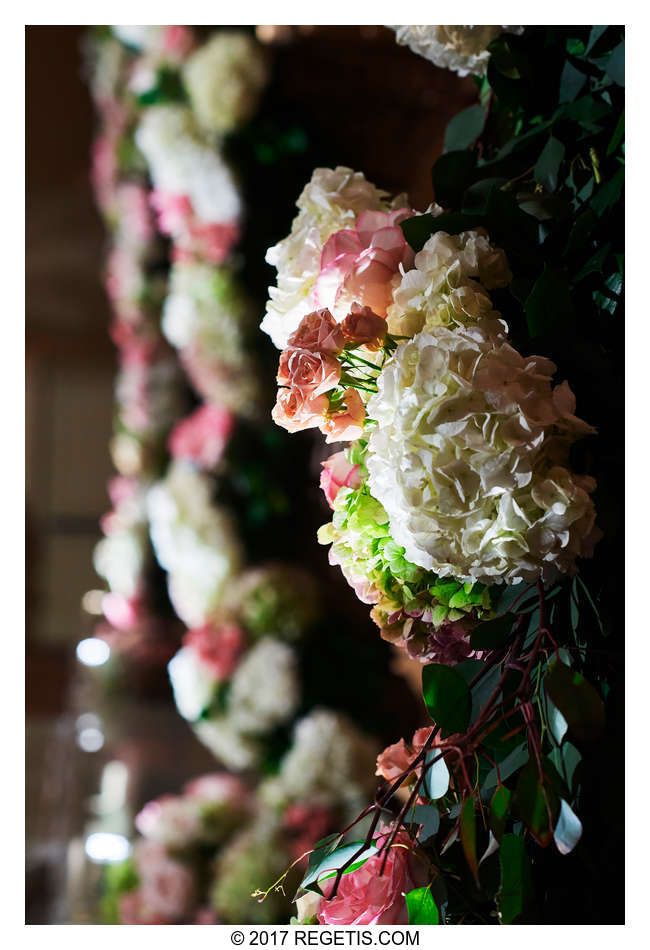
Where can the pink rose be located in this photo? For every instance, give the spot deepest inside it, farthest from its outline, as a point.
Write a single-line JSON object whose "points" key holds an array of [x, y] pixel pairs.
{"points": [[133, 910], [217, 787], [167, 886], [121, 612], [173, 211], [307, 372], [362, 264], [177, 40], [362, 326], [347, 425], [364, 897], [294, 412], [305, 825], [202, 436], [218, 647], [213, 241], [338, 473], [318, 332], [396, 758]]}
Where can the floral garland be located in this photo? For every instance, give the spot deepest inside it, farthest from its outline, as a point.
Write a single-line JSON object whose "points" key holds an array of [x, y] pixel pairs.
{"points": [[459, 511], [463, 49]]}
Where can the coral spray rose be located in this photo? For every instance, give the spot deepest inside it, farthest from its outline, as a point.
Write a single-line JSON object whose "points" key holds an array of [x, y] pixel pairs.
{"points": [[294, 412], [319, 332], [347, 425], [308, 372], [364, 327]]}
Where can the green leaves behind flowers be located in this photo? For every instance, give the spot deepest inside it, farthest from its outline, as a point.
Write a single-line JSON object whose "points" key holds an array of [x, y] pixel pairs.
{"points": [[447, 697], [515, 892], [577, 701], [422, 907]]}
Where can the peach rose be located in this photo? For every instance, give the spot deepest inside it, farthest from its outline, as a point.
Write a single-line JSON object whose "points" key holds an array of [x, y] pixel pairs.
{"points": [[318, 332], [364, 897], [294, 412], [347, 425], [396, 758], [307, 372], [363, 264], [338, 473], [362, 326]]}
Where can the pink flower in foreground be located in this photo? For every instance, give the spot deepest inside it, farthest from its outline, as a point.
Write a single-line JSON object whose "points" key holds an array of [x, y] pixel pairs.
{"points": [[362, 263], [347, 425], [218, 647], [363, 327], [202, 436], [318, 332], [338, 473], [364, 897], [396, 758]]}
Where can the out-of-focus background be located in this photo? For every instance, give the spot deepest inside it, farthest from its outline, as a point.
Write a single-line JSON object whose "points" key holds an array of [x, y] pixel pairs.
{"points": [[394, 134]]}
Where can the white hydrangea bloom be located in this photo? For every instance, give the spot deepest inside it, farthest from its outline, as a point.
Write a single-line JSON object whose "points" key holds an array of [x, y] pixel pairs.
{"points": [[447, 285], [265, 689], [236, 751], [182, 163], [120, 558], [141, 37], [330, 761], [192, 683], [468, 459], [463, 49], [172, 821], [224, 79], [332, 200], [194, 541]]}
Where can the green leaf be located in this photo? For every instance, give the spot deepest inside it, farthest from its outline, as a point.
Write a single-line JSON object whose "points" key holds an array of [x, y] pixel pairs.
{"points": [[491, 633], [515, 891], [422, 907], [436, 776], [499, 808], [548, 164], [607, 194], [571, 82], [328, 866], [468, 835], [508, 766], [618, 134], [464, 128], [428, 817], [566, 759], [577, 700], [447, 697], [556, 722], [452, 174], [594, 36], [615, 68], [568, 829], [532, 801], [549, 304]]}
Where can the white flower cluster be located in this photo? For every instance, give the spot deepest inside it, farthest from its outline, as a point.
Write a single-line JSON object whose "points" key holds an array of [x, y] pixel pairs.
{"points": [[194, 541], [264, 693], [332, 200], [120, 557], [224, 79], [463, 49], [330, 762], [140, 37], [182, 163], [206, 317], [447, 285], [468, 459]]}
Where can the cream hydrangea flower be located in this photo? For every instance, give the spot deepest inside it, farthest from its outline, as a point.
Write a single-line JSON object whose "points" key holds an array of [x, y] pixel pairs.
{"points": [[207, 317], [140, 37], [265, 690], [468, 459], [182, 163], [120, 558], [192, 683], [332, 200], [194, 541], [330, 761], [447, 285], [463, 49], [224, 79], [234, 750]]}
